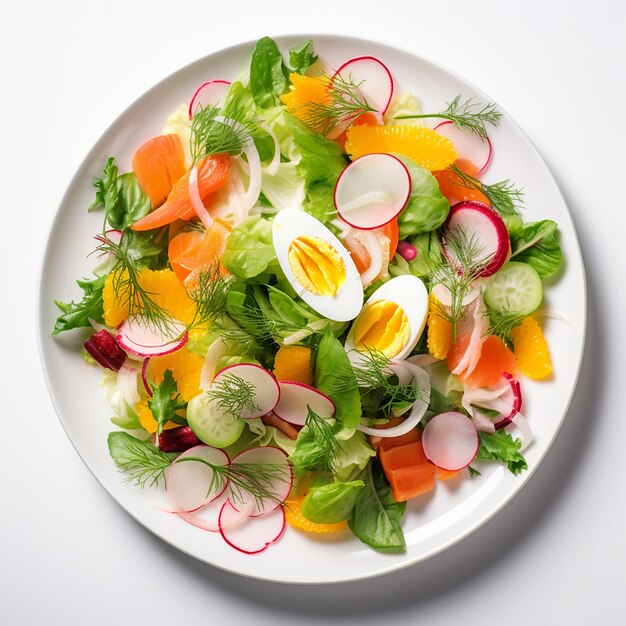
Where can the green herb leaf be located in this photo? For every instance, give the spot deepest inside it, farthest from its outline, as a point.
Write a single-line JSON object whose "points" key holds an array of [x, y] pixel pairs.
{"points": [[141, 460], [165, 402], [427, 207], [301, 57], [122, 197], [249, 248], [377, 517], [537, 244], [332, 503], [500, 446], [78, 314], [268, 74], [335, 377]]}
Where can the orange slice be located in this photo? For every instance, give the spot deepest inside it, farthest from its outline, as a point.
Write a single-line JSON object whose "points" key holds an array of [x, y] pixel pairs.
{"points": [[186, 368], [420, 144], [531, 350]]}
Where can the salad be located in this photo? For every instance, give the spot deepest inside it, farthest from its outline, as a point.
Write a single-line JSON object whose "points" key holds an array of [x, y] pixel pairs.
{"points": [[309, 305]]}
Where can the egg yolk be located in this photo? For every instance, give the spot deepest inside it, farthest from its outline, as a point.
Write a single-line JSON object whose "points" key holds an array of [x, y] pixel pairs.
{"points": [[317, 266], [382, 326]]}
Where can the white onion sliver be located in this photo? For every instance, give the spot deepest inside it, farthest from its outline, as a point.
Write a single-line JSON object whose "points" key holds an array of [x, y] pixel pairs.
{"points": [[196, 200], [525, 430], [215, 352], [374, 249], [127, 383]]}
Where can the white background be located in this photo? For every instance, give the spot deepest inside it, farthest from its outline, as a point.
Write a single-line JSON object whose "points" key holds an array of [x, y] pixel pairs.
{"points": [[69, 554]]}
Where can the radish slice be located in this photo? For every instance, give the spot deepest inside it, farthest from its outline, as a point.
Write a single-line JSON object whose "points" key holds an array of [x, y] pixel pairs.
{"points": [[137, 336], [190, 484], [208, 516], [373, 79], [196, 201], [475, 222], [468, 145], [264, 387], [422, 381], [211, 93], [144, 376], [506, 398], [295, 400], [450, 441], [442, 293], [278, 485], [255, 536], [512, 400], [372, 190]]}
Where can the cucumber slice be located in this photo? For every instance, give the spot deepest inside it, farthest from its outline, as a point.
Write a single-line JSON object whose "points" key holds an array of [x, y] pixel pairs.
{"points": [[515, 289], [213, 425]]}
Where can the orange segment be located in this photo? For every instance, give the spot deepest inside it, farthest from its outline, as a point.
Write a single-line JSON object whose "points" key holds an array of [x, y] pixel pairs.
{"points": [[186, 368], [158, 164], [420, 144], [162, 287], [194, 250], [146, 419], [304, 93], [452, 188], [495, 358], [531, 350], [294, 363], [439, 338], [294, 517], [212, 175]]}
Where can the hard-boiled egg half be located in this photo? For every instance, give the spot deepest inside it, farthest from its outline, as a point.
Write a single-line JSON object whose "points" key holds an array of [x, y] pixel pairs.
{"points": [[392, 320], [317, 265]]}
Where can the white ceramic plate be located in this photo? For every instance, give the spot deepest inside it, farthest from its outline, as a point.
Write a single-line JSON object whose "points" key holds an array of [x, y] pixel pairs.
{"points": [[434, 522]]}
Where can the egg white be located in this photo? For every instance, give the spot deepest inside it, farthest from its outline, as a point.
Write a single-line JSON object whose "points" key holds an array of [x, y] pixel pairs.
{"points": [[410, 294], [346, 304]]}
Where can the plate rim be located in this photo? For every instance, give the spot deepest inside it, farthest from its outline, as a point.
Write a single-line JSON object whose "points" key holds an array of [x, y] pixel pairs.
{"points": [[42, 333]]}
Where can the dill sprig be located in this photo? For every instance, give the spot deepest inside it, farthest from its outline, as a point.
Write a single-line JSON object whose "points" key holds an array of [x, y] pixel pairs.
{"points": [[504, 196], [245, 480], [210, 293], [344, 105], [470, 115], [130, 292], [374, 376], [210, 135], [327, 448], [502, 324], [463, 263], [233, 394]]}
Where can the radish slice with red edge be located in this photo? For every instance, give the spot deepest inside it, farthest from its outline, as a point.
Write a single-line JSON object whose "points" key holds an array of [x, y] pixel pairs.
{"points": [[263, 386], [211, 93], [139, 337], [513, 399], [190, 484], [372, 190], [373, 79], [207, 517], [295, 400], [278, 482], [254, 536], [450, 441], [479, 224], [144, 376], [468, 145]]}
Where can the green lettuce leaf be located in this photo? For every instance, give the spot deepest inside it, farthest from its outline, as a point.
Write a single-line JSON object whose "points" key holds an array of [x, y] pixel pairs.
{"points": [[537, 244], [285, 189], [78, 314], [355, 454], [249, 248], [301, 57], [268, 74], [500, 446], [334, 376], [377, 517], [428, 248], [121, 196], [427, 207], [332, 503]]}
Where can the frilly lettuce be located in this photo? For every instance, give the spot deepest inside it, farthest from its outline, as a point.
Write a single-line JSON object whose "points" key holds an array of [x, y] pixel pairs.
{"points": [[354, 457], [427, 207], [405, 103], [285, 189]]}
